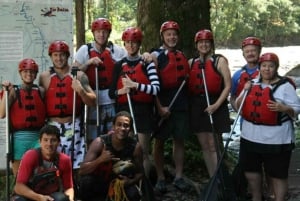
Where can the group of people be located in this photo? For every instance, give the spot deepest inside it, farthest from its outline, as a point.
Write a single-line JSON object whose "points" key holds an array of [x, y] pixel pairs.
{"points": [[82, 121]]}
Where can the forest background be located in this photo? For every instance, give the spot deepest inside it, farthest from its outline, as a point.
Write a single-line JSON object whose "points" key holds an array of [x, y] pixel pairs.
{"points": [[275, 22]]}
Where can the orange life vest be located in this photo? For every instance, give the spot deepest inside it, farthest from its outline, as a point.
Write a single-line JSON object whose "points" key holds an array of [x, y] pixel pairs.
{"points": [[137, 74], [173, 68], [105, 70], [59, 97], [255, 107], [213, 78], [28, 110]]}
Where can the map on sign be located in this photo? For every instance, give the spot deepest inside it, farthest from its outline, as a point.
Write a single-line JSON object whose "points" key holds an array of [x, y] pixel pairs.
{"points": [[27, 29]]}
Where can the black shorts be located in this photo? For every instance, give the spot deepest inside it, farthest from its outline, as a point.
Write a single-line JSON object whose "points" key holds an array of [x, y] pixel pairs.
{"points": [[176, 126], [200, 120], [143, 116], [275, 165]]}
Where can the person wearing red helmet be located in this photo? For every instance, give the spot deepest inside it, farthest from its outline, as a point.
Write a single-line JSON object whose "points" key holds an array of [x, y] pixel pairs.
{"points": [[173, 69], [267, 137], [26, 100], [209, 86], [139, 78], [103, 54], [251, 48], [60, 82]]}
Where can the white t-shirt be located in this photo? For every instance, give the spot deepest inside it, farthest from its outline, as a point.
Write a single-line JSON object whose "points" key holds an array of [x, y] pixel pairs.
{"points": [[82, 56], [278, 134]]}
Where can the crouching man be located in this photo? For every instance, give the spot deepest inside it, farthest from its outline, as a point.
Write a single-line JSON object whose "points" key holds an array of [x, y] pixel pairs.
{"points": [[113, 165], [44, 173]]}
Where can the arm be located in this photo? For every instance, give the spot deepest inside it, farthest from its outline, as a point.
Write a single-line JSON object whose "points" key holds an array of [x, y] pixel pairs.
{"points": [[225, 72], [11, 98], [287, 101], [83, 89], [83, 60], [233, 91], [96, 155], [152, 88], [65, 168], [24, 190], [28, 163]]}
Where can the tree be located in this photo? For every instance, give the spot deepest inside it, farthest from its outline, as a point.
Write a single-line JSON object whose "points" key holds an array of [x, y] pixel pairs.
{"points": [[275, 21], [191, 16], [80, 28]]}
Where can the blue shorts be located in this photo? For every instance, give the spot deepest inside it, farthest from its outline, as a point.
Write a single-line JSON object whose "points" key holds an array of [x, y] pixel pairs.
{"points": [[23, 141]]}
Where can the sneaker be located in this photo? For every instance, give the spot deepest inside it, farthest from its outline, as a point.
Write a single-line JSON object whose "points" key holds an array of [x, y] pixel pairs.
{"points": [[181, 184], [161, 186]]}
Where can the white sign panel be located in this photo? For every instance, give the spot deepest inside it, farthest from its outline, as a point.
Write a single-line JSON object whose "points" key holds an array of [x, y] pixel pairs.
{"points": [[27, 29]]}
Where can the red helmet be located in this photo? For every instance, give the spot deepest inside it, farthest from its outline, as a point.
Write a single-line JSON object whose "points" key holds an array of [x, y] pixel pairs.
{"points": [[269, 57], [58, 46], [101, 23], [204, 34], [28, 64], [251, 41], [132, 34], [169, 25]]}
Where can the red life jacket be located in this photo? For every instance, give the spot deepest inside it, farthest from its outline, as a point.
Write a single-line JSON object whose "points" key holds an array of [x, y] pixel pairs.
{"points": [[137, 74], [46, 180], [172, 69], [255, 107], [105, 70], [59, 97], [214, 80], [244, 77], [28, 110]]}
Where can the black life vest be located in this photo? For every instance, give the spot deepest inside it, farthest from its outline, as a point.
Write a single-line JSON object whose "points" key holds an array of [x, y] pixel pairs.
{"points": [[46, 177], [105, 169]]}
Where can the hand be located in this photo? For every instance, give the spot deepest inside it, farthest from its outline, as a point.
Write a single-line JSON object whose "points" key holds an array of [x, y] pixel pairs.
{"points": [[46, 198], [128, 83], [7, 85], [247, 85], [123, 90], [107, 156], [211, 109], [94, 61], [147, 57], [275, 106], [76, 85], [164, 112]]}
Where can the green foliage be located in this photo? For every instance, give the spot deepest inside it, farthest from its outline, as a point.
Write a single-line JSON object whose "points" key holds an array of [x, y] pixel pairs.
{"points": [[121, 14], [272, 21]]}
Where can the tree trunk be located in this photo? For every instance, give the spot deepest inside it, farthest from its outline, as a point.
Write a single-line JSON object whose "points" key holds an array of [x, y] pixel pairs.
{"points": [[80, 28], [191, 16]]}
